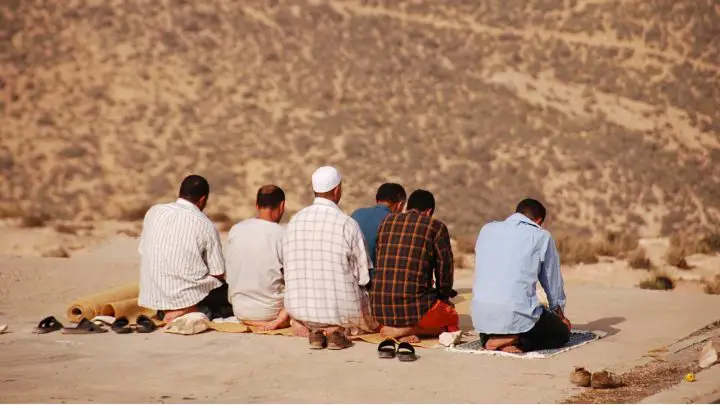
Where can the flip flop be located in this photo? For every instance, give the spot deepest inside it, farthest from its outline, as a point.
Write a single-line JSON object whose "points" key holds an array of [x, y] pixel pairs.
{"points": [[121, 325], [386, 349], [47, 325], [85, 327], [145, 324], [406, 352]]}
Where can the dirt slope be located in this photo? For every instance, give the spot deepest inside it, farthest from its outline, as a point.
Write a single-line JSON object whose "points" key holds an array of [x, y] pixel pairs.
{"points": [[606, 110]]}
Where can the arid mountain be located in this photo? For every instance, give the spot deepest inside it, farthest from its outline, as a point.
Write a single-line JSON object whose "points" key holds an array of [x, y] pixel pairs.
{"points": [[606, 110]]}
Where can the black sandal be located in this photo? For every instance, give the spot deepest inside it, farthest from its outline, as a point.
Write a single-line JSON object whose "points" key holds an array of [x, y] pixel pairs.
{"points": [[406, 352], [47, 325], [145, 324], [121, 325], [386, 349], [85, 327]]}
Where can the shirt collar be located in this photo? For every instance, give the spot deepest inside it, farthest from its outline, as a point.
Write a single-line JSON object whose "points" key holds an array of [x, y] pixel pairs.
{"points": [[383, 207], [186, 203], [325, 202], [518, 217]]}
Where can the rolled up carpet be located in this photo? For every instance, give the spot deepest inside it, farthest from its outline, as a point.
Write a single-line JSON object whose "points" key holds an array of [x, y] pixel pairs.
{"points": [[128, 308], [92, 305]]}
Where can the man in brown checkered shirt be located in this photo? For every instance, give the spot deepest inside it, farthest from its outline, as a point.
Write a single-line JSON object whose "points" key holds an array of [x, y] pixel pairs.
{"points": [[413, 250]]}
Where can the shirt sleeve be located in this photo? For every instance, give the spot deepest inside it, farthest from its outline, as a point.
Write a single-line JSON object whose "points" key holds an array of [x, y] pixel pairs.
{"points": [[215, 259], [358, 256], [444, 267], [550, 277]]}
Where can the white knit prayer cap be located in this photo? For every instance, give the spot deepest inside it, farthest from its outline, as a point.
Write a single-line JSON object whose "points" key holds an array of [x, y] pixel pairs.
{"points": [[325, 179]]}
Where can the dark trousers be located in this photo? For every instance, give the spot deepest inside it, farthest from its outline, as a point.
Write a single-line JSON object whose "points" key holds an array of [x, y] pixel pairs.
{"points": [[549, 332], [216, 304]]}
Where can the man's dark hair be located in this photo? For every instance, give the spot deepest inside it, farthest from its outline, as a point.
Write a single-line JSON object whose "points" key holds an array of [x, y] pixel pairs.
{"points": [[270, 196], [193, 188], [532, 209], [390, 192], [421, 200]]}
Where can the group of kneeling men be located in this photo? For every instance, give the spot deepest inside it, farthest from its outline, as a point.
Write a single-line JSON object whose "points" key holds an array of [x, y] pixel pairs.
{"points": [[386, 268]]}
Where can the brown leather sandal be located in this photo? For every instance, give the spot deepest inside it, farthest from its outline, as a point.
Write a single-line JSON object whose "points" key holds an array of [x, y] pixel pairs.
{"points": [[338, 341]]}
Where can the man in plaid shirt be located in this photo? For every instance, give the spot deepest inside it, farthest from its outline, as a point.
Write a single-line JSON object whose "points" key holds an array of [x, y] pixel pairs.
{"points": [[326, 266], [413, 249]]}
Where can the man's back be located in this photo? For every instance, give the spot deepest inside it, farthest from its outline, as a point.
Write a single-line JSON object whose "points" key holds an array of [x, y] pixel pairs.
{"points": [[325, 261], [180, 250], [511, 256], [254, 271], [412, 250], [369, 220]]}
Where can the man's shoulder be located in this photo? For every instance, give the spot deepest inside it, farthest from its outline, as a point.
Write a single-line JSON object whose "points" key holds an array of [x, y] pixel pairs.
{"points": [[361, 211]]}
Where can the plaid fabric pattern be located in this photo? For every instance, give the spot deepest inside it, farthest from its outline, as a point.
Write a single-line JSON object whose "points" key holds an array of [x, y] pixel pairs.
{"points": [[325, 264], [411, 250]]}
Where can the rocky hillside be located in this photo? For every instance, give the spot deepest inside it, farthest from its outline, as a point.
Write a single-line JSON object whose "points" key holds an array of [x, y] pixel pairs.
{"points": [[606, 110]]}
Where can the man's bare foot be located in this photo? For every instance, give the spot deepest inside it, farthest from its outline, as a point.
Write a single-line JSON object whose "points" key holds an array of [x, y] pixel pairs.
{"points": [[395, 333], [299, 329], [410, 339], [498, 342], [511, 349]]}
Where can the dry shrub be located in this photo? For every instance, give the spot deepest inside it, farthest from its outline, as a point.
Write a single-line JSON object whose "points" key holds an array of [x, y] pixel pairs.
{"points": [[658, 281], [58, 251], [219, 217], [66, 229], [710, 243], [130, 233], [681, 246], [713, 286], [638, 260], [615, 244], [222, 221], [574, 250], [465, 244], [34, 220], [464, 261], [135, 213]]}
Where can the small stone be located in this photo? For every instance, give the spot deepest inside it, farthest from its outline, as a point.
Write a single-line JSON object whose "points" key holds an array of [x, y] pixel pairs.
{"points": [[580, 377], [3, 329], [605, 379], [709, 354], [448, 339]]}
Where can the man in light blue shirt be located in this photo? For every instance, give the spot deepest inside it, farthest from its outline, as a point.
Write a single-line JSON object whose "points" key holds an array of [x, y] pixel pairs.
{"points": [[390, 199], [511, 257]]}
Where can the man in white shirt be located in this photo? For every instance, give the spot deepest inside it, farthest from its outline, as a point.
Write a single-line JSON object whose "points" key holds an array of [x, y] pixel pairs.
{"points": [[254, 267], [326, 266], [182, 263]]}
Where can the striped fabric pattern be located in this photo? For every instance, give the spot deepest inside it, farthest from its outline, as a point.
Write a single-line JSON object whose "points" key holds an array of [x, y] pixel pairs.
{"points": [[326, 263], [180, 252], [414, 268]]}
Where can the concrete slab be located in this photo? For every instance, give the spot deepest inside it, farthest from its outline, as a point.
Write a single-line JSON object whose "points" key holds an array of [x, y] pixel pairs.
{"points": [[216, 367]]}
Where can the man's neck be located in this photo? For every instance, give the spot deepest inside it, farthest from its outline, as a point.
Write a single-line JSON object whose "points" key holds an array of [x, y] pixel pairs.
{"points": [[266, 215]]}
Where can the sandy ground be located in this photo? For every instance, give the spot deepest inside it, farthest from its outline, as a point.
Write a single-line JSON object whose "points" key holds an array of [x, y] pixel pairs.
{"points": [[216, 367]]}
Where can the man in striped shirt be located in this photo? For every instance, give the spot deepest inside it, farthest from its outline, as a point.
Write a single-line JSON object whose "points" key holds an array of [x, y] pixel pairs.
{"points": [[326, 266], [182, 265]]}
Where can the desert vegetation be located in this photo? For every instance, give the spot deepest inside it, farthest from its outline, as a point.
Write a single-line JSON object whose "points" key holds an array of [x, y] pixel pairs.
{"points": [[480, 102]]}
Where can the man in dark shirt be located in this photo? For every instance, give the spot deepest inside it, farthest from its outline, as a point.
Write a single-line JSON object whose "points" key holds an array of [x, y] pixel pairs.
{"points": [[390, 198], [413, 250]]}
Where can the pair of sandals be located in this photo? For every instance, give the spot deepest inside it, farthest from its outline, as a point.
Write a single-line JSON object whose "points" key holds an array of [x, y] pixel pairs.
{"points": [[143, 324], [388, 349], [85, 327], [51, 324]]}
